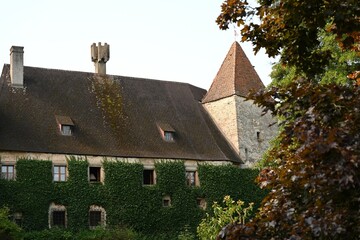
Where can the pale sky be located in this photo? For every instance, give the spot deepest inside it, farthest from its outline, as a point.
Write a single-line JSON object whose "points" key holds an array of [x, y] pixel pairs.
{"points": [[173, 40]]}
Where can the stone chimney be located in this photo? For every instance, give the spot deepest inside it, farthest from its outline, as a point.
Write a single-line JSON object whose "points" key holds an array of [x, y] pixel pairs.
{"points": [[17, 66], [100, 55]]}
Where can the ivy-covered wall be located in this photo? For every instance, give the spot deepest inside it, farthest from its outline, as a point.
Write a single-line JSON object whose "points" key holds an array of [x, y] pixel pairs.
{"points": [[122, 195]]}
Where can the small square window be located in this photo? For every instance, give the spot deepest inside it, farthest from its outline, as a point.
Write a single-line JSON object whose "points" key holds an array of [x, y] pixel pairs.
{"points": [[201, 203], [58, 218], [94, 174], [169, 136], [148, 177], [7, 172], [166, 201], [66, 130], [59, 173]]}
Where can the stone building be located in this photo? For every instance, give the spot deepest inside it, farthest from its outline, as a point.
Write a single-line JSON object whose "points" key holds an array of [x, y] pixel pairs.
{"points": [[51, 114]]}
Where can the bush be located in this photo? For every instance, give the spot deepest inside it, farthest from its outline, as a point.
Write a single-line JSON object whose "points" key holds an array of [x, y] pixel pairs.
{"points": [[8, 229], [233, 213]]}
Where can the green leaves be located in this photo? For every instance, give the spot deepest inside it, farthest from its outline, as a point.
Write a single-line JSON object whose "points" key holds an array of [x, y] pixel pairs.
{"points": [[291, 28]]}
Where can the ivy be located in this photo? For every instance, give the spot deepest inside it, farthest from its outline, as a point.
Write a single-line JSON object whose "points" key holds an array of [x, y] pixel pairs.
{"points": [[126, 201]]}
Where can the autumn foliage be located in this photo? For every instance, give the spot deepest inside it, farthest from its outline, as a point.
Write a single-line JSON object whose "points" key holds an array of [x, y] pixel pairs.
{"points": [[314, 175]]}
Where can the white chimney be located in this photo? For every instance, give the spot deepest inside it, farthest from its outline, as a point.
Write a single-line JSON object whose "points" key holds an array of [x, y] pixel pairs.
{"points": [[17, 66], [100, 55]]}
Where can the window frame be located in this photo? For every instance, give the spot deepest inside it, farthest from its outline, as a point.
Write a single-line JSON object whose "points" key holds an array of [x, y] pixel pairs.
{"points": [[192, 178], [97, 209], [5, 174], [98, 174], [59, 173], [151, 177], [54, 208]]}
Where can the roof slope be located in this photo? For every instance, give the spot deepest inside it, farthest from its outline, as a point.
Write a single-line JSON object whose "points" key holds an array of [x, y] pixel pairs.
{"points": [[112, 116], [236, 76]]}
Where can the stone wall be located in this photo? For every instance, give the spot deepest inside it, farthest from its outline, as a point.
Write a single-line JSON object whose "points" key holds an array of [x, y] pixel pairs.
{"points": [[242, 124]]}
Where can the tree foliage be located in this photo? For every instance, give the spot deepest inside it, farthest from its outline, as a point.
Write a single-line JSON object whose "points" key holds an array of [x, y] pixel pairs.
{"points": [[291, 28], [315, 185], [339, 66]]}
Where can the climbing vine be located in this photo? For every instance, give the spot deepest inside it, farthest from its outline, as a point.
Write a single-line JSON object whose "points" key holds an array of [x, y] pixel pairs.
{"points": [[122, 194]]}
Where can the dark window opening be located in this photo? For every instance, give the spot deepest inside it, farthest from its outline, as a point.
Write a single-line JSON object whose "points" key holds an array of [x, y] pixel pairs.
{"points": [[94, 174], [148, 177], [95, 218], [58, 218], [258, 135], [166, 201]]}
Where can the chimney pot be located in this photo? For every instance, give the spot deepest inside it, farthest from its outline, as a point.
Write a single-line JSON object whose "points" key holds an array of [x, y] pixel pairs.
{"points": [[17, 66], [100, 55]]}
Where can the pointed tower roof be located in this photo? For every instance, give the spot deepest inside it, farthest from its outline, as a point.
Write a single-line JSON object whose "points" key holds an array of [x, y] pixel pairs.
{"points": [[236, 76]]}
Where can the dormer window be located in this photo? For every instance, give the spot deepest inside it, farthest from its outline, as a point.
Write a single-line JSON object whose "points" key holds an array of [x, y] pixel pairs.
{"points": [[167, 132], [65, 124], [169, 136]]}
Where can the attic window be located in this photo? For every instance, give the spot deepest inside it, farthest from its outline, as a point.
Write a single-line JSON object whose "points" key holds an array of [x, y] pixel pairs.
{"points": [[66, 125], [167, 132]]}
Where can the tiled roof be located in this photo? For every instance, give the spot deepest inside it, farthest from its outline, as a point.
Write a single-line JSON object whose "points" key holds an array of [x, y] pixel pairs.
{"points": [[236, 76], [112, 116]]}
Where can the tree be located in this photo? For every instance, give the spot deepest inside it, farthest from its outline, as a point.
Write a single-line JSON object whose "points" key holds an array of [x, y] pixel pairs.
{"points": [[339, 66], [291, 28], [314, 168]]}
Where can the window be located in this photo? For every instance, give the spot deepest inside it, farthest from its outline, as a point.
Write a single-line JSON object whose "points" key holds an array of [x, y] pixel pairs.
{"points": [[167, 132], [258, 136], [7, 172], [66, 125], [166, 201], [57, 216], [169, 136], [17, 217], [201, 203], [191, 178], [66, 130], [94, 174], [97, 216], [59, 173], [148, 177]]}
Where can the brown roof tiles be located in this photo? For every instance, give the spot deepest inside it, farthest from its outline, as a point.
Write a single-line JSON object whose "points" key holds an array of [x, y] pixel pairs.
{"points": [[236, 76]]}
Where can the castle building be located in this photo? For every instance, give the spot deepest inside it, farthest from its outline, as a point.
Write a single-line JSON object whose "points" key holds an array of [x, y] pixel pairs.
{"points": [[52, 114]]}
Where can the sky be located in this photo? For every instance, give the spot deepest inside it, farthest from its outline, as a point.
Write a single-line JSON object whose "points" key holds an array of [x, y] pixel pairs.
{"points": [[173, 40]]}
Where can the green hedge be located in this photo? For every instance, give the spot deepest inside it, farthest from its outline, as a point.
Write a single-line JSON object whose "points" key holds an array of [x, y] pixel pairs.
{"points": [[126, 201]]}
